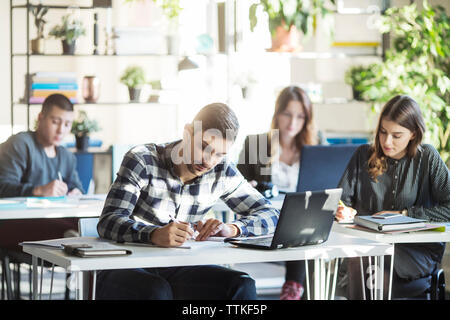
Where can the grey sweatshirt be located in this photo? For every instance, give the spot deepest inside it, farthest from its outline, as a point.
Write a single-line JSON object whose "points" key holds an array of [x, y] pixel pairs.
{"points": [[25, 165]]}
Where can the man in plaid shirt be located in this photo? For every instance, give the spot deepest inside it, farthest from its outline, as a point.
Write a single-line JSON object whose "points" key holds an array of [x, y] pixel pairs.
{"points": [[172, 186]]}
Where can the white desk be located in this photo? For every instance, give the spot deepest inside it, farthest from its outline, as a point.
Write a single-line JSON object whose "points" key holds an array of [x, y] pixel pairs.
{"points": [[407, 237], [76, 207], [337, 246], [83, 206]]}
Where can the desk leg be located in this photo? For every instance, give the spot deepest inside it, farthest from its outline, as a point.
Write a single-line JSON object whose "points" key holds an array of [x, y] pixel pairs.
{"points": [[316, 279], [322, 279], [333, 289], [362, 278], [327, 284], [94, 283], [307, 279], [42, 276], [391, 274], [381, 259], [79, 284], [51, 282], [85, 285], [34, 261]]}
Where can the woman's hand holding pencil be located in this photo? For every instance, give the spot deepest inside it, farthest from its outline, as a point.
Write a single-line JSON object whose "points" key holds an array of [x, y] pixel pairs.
{"points": [[345, 214]]}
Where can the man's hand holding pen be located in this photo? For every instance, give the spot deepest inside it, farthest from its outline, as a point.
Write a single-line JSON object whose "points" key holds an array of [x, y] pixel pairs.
{"points": [[173, 234], [176, 232]]}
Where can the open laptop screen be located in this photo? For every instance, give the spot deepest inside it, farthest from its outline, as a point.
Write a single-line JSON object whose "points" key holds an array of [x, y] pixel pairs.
{"points": [[321, 167]]}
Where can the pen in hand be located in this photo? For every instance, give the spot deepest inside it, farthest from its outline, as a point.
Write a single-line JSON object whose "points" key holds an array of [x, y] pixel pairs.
{"points": [[60, 176], [195, 232]]}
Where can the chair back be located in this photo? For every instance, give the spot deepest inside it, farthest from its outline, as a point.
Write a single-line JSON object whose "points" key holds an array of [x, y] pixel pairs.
{"points": [[322, 166], [87, 227], [118, 152]]}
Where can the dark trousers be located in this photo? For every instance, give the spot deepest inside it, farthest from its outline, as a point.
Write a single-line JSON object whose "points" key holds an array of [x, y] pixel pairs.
{"points": [[295, 271], [209, 282]]}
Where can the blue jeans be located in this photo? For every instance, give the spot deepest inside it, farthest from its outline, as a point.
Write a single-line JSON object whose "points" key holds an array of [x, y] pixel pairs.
{"points": [[182, 283]]}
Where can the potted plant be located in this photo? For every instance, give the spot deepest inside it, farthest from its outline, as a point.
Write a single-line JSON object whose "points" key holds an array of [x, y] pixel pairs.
{"points": [[81, 128], [156, 88], [356, 77], [134, 78], [38, 11], [68, 31], [287, 18]]}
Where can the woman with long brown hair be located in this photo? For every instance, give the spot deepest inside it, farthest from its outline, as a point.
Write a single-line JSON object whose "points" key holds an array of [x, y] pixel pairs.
{"points": [[273, 158], [397, 173]]}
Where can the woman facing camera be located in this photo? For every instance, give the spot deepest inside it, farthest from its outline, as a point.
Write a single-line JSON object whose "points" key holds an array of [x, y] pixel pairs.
{"points": [[397, 173], [273, 159]]}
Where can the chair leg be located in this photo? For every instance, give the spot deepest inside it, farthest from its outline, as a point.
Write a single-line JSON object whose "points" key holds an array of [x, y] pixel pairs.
{"points": [[30, 282], [441, 285], [3, 281], [7, 271], [17, 280]]}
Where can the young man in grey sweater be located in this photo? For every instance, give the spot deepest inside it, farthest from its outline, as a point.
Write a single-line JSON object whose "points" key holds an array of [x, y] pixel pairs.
{"points": [[32, 163]]}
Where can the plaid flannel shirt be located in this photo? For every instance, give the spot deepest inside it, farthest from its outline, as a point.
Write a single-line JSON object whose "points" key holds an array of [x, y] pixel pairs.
{"points": [[147, 187]]}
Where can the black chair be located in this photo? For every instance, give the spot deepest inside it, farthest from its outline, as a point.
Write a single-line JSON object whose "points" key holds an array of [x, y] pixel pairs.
{"points": [[11, 278], [431, 287], [437, 288]]}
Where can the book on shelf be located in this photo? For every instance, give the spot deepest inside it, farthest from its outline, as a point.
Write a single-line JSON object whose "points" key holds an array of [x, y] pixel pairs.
{"points": [[46, 93], [397, 222], [45, 83], [54, 86], [55, 74], [39, 100], [36, 79]]}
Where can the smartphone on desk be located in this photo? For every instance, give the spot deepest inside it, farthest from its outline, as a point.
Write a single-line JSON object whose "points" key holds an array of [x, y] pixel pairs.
{"points": [[386, 215]]}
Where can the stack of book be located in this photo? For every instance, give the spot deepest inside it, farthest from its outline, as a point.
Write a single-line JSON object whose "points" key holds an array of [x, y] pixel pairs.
{"points": [[44, 84], [390, 222]]}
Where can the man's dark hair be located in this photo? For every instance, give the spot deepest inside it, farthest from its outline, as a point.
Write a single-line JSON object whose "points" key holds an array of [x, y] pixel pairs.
{"points": [[219, 116], [56, 100]]}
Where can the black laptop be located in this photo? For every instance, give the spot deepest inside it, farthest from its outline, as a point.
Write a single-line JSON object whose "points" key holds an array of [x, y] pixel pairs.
{"points": [[305, 218]]}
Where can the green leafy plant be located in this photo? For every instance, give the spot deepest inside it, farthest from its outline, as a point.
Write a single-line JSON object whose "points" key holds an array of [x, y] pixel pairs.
{"points": [[69, 30], [82, 126], [133, 77], [287, 13], [418, 65], [355, 77], [39, 11], [171, 8]]}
